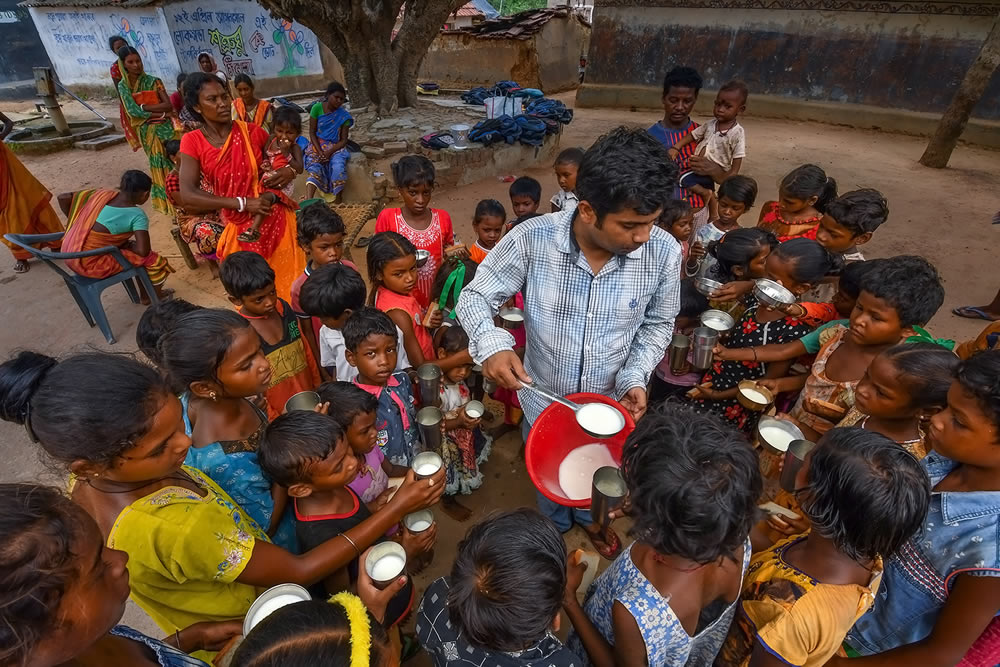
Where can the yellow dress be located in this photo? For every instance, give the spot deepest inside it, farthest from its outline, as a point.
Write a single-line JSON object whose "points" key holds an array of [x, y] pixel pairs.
{"points": [[185, 553], [798, 619]]}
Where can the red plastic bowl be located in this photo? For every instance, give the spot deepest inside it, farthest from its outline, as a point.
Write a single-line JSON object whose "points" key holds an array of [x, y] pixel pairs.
{"points": [[555, 434]]}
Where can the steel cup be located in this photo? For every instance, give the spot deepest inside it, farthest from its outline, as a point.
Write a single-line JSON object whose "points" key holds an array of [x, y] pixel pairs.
{"points": [[429, 382], [477, 383], [419, 521], [426, 464], [304, 400], [703, 341], [679, 347], [794, 458], [429, 422], [607, 494], [385, 563]]}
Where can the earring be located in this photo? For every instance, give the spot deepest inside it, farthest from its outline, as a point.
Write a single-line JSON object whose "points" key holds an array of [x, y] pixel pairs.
{"points": [[211, 395]]}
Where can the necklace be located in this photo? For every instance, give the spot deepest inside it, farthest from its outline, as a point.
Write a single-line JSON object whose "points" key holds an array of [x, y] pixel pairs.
{"points": [[135, 485]]}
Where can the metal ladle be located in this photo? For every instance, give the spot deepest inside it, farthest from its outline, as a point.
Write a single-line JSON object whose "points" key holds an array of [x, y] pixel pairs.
{"points": [[587, 413]]}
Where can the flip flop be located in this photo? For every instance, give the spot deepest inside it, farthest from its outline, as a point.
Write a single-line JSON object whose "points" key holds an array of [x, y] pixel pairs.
{"points": [[974, 313], [610, 549], [22, 266], [249, 236]]}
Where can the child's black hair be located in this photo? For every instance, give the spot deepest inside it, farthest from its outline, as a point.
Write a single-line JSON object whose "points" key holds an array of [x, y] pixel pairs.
{"points": [[365, 322], [315, 220], [980, 376], [192, 88], [454, 339], [242, 77], [809, 261], [807, 181], [927, 369], [172, 147], [908, 283], [111, 43], [850, 277], [65, 404], [673, 210], [331, 289], [859, 211], [694, 482], [285, 115], [135, 182], [737, 249], [739, 188], [570, 156], [382, 249], [307, 634], [489, 207], [625, 168], [526, 186], [737, 86], [335, 87], [413, 170], [181, 78], [682, 77], [693, 302], [347, 401], [865, 493], [156, 321], [507, 581], [243, 273], [293, 442], [449, 266], [40, 561], [194, 348]]}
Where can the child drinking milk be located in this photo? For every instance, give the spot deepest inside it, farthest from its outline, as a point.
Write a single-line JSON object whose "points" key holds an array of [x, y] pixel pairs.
{"points": [[393, 274], [194, 555], [865, 497], [249, 283], [940, 592], [465, 446], [424, 227], [488, 223], [370, 344], [214, 360], [803, 195], [670, 596], [280, 154], [740, 256]]}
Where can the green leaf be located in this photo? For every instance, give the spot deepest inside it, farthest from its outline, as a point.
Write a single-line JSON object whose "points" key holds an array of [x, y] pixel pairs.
{"points": [[298, 47], [277, 37]]}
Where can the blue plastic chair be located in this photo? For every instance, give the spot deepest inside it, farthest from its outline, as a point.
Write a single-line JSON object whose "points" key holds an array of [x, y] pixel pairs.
{"points": [[87, 291]]}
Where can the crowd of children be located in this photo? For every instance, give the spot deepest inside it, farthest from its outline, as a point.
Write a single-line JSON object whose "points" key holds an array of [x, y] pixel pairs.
{"points": [[193, 486]]}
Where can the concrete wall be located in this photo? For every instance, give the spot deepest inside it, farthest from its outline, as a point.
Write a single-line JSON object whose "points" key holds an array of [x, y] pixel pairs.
{"points": [[281, 56], [548, 60], [22, 48], [906, 56]]}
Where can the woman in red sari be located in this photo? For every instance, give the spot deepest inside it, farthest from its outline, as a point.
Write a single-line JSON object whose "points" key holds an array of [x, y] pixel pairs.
{"points": [[116, 42], [101, 218], [228, 153]]}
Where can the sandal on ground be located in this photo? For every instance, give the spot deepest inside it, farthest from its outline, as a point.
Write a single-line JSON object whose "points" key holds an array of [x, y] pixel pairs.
{"points": [[21, 266], [249, 236], [608, 550], [974, 313]]}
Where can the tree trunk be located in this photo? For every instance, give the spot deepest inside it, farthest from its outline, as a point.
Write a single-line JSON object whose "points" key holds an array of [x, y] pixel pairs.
{"points": [[381, 71], [956, 116]]}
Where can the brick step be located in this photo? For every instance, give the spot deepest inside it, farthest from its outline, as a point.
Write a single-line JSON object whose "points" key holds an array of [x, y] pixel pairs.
{"points": [[100, 143]]}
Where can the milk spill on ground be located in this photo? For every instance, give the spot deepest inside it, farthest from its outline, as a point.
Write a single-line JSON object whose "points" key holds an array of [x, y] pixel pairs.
{"points": [[576, 472]]}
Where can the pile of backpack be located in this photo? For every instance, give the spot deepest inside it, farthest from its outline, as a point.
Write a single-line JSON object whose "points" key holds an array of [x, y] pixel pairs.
{"points": [[528, 130]]}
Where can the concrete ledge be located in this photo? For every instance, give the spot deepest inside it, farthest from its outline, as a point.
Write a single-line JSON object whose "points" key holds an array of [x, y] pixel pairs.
{"points": [[980, 132]]}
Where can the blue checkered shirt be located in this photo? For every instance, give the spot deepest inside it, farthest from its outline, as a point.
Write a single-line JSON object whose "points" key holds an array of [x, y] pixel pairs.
{"points": [[602, 334]]}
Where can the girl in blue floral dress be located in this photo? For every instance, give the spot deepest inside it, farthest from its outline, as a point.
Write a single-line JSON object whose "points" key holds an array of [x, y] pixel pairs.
{"points": [[693, 483]]}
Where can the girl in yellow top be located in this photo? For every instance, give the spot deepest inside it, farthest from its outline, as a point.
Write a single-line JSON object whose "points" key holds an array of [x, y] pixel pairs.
{"points": [[865, 496], [193, 554]]}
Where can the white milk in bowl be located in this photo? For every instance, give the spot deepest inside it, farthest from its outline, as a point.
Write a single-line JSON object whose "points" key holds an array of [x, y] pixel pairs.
{"points": [[387, 567], [755, 396], [599, 419], [777, 437], [576, 472]]}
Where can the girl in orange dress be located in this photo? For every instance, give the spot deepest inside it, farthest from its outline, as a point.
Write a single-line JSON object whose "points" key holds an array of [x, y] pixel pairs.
{"points": [[802, 198]]}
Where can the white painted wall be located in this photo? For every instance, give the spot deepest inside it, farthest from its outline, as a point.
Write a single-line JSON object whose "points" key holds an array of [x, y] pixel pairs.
{"points": [[243, 37], [76, 39]]}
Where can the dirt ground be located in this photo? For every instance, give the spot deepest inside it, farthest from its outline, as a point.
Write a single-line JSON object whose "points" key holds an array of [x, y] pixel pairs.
{"points": [[943, 215]]}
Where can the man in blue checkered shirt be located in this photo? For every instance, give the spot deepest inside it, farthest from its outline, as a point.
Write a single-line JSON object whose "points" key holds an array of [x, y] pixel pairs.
{"points": [[601, 290]]}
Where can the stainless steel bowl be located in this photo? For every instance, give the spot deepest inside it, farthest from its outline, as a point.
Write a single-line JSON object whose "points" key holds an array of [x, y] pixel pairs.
{"points": [[422, 257], [719, 320], [775, 435], [706, 286], [772, 294], [511, 318]]}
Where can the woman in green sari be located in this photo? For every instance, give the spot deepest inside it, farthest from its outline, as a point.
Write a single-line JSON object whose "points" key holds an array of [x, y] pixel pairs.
{"points": [[151, 116]]}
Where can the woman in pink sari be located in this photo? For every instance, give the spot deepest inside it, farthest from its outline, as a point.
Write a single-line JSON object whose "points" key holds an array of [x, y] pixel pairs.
{"points": [[228, 154]]}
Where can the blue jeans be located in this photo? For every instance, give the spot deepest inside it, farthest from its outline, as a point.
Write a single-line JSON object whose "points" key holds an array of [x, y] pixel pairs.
{"points": [[564, 517]]}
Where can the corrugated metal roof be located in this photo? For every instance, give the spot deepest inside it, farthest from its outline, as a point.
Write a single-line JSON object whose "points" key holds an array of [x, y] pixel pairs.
{"points": [[519, 26], [88, 3]]}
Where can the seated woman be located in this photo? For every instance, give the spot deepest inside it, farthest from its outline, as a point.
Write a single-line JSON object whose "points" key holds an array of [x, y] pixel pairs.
{"points": [[325, 152], [199, 229], [101, 218], [63, 592], [248, 108]]}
